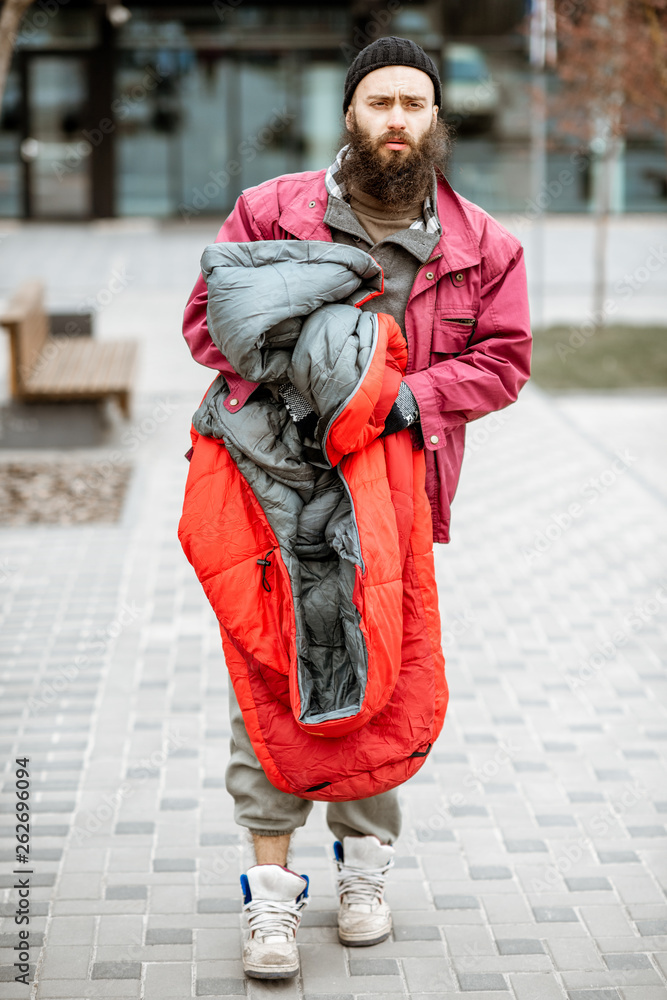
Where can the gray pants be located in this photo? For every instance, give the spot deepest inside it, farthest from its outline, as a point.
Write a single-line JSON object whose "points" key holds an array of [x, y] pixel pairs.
{"points": [[265, 810]]}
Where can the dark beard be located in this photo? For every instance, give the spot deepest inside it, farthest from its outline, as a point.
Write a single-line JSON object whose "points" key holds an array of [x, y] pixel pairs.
{"points": [[396, 179]]}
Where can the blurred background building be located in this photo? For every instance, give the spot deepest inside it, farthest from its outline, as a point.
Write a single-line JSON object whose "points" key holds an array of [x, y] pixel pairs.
{"points": [[170, 109]]}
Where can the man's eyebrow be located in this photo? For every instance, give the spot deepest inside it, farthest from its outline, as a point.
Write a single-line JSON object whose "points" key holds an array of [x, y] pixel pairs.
{"points": [[388, 97]]}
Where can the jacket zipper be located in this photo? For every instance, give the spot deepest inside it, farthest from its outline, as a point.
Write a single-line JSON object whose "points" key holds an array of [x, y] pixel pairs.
{"points": [[472, 323], [437, 257]]}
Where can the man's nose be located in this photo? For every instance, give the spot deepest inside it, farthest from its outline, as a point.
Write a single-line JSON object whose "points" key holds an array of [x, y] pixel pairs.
{"points": [[396, 119]]}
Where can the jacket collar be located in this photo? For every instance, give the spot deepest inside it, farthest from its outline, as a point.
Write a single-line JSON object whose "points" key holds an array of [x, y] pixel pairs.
{"points": [[418, 242], [458, 244], [303, 218], [303, 215]]}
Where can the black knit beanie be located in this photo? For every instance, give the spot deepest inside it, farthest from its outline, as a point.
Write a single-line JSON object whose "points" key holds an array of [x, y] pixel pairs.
{"points": [[390, 51]]}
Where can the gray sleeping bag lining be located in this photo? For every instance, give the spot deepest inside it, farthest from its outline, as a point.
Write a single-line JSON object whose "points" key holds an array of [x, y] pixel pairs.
{"points": [[276, 320]]}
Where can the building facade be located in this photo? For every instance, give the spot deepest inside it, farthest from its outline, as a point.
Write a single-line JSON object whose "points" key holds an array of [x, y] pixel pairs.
{"points": [[171, 109]]}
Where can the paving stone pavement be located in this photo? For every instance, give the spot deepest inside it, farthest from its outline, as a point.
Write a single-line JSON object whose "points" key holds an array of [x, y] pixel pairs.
{"points": [[532, 863]]}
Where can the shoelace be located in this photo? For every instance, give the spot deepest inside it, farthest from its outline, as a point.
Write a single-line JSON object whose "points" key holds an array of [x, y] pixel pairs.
{"points": [[271, 916], [362, 885]]}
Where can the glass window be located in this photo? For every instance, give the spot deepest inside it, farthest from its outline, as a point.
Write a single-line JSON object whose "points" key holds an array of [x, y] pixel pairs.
{"points": [[58, 28], [11, 173], [240, 26], [58, 158], [486, 101], [215, 124], [207, 143], [645, 176], [420, 22], [148, 115], [151, 29], [224, 115], [269, 125], [466, 62], [322, 115]]}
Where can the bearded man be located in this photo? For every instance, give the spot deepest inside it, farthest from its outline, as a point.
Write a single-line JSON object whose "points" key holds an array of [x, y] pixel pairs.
{"points": [[454, 281]]}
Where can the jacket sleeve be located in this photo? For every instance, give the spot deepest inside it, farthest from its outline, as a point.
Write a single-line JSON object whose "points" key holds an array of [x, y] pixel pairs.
{"points": [[239, 227], [490, 372]]}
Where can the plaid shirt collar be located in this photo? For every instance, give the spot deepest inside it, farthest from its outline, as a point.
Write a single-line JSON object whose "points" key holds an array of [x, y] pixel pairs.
{"points": [[335, 186]]}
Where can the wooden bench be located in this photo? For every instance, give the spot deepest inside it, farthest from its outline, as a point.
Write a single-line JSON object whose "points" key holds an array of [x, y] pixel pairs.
{"points": [[62, 369]]}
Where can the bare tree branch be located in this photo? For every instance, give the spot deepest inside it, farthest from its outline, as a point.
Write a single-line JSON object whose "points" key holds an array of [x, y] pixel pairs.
{"points": [[612, 52], [10, 19], [612, 68]]}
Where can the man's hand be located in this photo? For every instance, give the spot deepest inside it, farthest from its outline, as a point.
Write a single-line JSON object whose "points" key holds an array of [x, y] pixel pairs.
{"points": [[404, 413], [299, 409]]}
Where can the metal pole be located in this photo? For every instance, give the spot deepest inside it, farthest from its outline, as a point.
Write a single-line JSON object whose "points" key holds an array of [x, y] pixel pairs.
{"points": [[538, 151]]}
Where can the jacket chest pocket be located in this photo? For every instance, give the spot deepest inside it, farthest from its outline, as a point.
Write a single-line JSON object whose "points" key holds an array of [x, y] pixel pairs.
{"points": [[451, 334]]}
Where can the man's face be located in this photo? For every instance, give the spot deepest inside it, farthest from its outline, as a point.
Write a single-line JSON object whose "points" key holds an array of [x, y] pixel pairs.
{"points": [[393, 107], [393, 136]]}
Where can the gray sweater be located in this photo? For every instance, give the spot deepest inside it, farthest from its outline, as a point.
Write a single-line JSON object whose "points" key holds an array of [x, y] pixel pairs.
{"points": [[400, 256]]}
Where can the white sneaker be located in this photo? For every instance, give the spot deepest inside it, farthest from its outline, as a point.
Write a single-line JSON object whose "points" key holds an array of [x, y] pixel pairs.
{"points": [[273, 898], [363, 862]]}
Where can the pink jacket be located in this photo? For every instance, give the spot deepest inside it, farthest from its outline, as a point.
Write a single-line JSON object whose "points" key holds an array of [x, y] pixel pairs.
{"points": [[457, 371]]}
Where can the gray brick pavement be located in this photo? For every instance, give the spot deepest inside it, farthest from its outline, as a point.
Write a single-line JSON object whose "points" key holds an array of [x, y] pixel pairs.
{"points": [[532, 862]]}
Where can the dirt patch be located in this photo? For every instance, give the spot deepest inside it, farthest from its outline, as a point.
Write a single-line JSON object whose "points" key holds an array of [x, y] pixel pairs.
{"points": [[62, 492]]}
